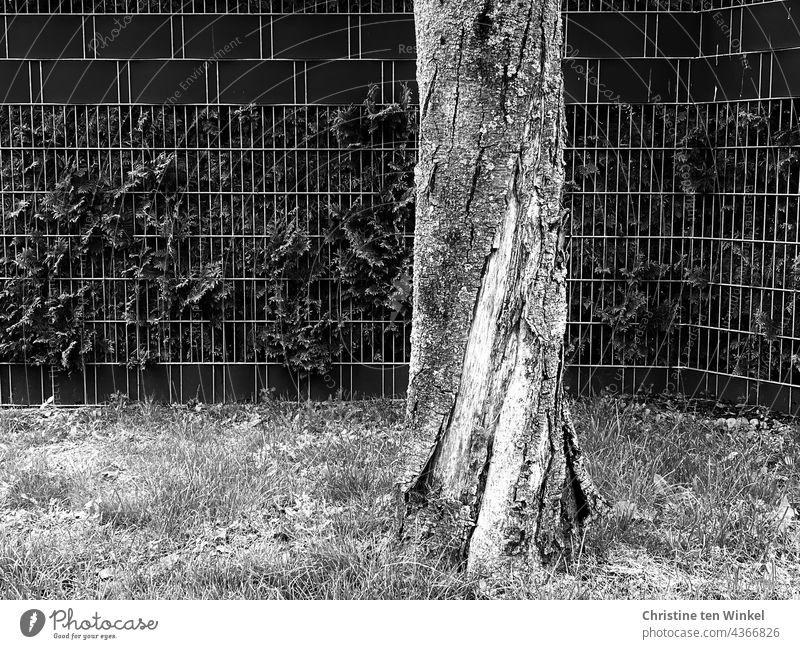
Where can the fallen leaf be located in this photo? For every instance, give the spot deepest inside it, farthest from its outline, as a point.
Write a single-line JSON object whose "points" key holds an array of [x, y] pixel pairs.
{"points": [[662, 486]]}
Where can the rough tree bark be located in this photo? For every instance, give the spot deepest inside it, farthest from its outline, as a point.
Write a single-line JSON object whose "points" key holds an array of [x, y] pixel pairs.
{"points": [[485, 397]]}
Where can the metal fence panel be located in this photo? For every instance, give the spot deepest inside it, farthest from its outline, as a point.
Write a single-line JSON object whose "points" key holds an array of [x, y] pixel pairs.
{"points": [[218, 138]]}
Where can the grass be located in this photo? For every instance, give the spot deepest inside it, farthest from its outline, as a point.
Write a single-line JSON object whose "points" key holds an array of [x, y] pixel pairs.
{"points": [[293, 501]]}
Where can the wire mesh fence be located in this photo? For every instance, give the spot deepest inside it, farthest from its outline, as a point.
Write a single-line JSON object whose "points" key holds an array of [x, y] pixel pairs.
{"points": [[193, 235], [209, 249], [685, 248]]}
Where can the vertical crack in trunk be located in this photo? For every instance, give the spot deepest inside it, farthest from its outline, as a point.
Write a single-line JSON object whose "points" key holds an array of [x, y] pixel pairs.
{"points": [[589, 502], [471, 523], [458, 86]]}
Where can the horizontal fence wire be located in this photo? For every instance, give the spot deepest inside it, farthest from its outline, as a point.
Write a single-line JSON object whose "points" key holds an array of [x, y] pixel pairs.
{"points": [[207, 6], [332, 6]]}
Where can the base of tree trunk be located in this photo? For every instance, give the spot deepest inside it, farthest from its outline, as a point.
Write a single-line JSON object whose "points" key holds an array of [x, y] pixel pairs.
{"points": [[569, 501]]}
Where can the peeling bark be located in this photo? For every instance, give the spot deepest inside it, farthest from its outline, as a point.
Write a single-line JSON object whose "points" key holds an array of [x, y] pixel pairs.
{"points": [[485, 396]]}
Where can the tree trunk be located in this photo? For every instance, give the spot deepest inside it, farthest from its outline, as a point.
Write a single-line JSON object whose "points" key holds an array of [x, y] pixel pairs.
{"points": [[485, 396]]}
